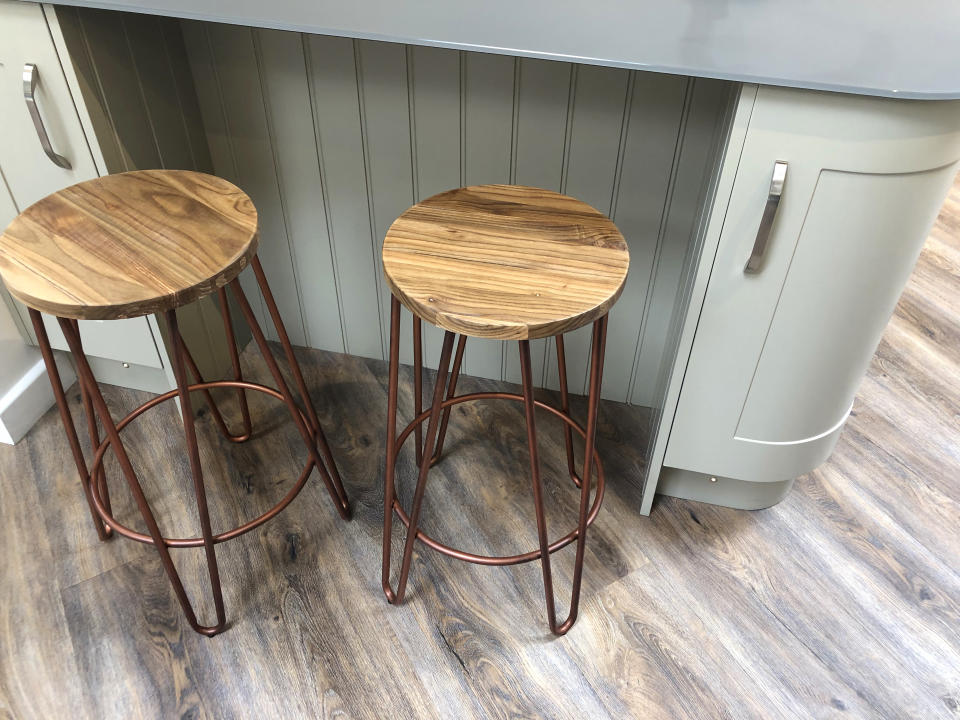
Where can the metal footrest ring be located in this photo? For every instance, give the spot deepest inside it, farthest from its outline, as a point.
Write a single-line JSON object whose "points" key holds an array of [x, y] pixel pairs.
{"points": [[196, 541], [504, 559]]}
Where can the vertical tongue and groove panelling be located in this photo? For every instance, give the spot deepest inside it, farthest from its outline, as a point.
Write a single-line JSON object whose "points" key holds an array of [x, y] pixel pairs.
{"points": [[333, 138]]}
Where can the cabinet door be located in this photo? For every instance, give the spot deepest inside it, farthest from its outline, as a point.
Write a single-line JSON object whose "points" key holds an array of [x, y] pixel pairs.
{"points": [[30, 174], [778, 354]]}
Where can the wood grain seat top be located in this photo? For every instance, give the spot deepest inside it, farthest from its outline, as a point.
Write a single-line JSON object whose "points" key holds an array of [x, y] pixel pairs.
{"points": [[505, 261], [129, 244]]}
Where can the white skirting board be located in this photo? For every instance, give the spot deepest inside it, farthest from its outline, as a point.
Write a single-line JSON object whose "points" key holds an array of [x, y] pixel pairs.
{"points": [[27, 395]]}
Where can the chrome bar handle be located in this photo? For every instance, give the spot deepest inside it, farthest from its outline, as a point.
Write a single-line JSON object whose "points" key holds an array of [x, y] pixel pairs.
{"points": [[30, 76], [769, 215]]}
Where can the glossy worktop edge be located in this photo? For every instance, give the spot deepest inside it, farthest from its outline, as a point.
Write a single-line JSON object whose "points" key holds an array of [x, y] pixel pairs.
{"points": [[881, 48]]}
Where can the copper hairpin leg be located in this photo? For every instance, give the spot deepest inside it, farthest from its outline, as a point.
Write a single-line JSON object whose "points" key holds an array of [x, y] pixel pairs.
{"points": [[418, 384], [101, 477], [565, 407], [103, 532], [310, 430], [451, 392], [237, 375], [437, 416], [96, 492], [596, 374]]}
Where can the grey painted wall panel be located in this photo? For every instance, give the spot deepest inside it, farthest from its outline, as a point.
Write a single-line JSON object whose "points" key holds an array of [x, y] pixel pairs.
{"points": [[393, 124], [243, 103], [691, 174], [90, 86], [207, 73], [186, 93], [590, 174], [386, 126], [435, 99], [207, 84], [543, 97], [115, 69], [145, 40], [283, 73], [487, 153], [334, 75], [217, 144], [651, 142]]}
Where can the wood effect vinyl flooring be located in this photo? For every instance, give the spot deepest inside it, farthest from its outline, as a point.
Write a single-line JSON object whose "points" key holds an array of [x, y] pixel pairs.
{"points": [[841, 601]]}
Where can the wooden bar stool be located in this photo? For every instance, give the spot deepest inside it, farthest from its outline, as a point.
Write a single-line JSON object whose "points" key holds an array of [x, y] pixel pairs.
{"points": [[508, 262], [146, 242]]}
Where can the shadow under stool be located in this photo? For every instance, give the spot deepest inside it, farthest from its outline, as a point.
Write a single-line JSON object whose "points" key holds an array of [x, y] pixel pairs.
{"points": [[145, 242], [510, 263]]}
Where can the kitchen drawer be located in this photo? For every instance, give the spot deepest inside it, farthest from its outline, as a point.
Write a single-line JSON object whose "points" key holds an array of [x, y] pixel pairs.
{"points": [[130, 341]]}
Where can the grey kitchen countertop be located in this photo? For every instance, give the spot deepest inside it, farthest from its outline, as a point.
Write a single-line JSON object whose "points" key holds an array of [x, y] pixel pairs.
{"points": [[891, 48]]}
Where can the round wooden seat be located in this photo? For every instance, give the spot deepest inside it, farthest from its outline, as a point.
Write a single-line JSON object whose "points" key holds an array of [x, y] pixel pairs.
{"points": [[505, 261], [129, 244]]}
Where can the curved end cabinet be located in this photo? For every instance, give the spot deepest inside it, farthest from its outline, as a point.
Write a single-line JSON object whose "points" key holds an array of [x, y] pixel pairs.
{"points": [[781, 346]]}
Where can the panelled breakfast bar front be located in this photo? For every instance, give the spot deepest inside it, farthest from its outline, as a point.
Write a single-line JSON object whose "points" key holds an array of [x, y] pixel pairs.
{"points": [[774, 181]]}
